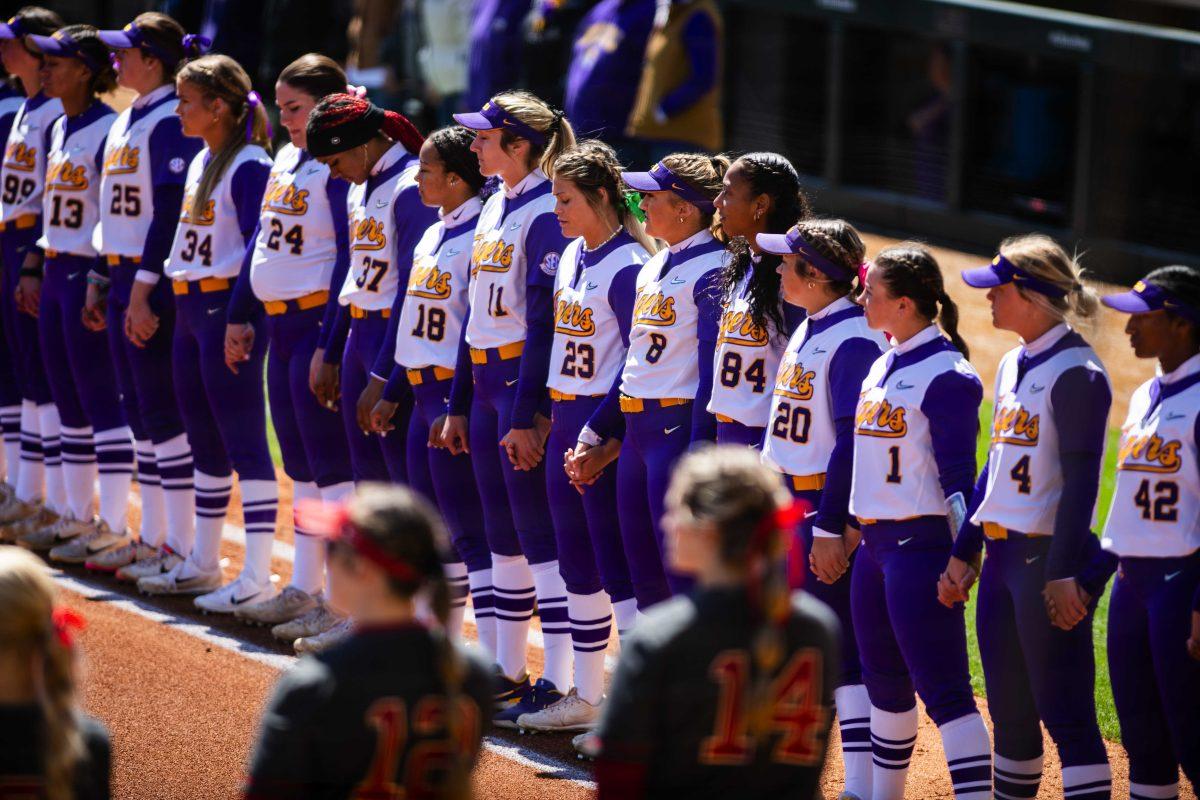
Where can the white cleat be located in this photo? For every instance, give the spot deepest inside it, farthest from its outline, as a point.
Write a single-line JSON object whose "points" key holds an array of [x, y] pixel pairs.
{"points": [[13, 510], [59, 532], [283, 607], [323, 641], [587, 745], [88, 546], [160, 562], [316, 621], [572, 713], [183, 578], [238, 594], [11, 532], [114, 558]]}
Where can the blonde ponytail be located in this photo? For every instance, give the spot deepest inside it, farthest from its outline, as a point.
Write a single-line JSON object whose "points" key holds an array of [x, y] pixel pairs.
{"points": [[1046, 260], [537, 114]]}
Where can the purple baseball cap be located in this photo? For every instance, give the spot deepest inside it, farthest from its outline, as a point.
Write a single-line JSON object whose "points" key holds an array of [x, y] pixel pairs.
{"points": [[1144, 297], [1002, 271], [13, 29], [661, 179], [61, 44], [793, 241], [494, 116], [131, 36]]}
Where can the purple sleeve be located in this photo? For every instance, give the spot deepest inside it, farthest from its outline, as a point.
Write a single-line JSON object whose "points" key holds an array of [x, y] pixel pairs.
{"points": [[951, 405], [335, 340], [412, 219], [700, 43], [248, 185], [621, 294], [242, 303], [1081, 399], [544, 243], [335, 190], [792, 317], [969, 542], [397, 385], [535, 358], [463, 385], [707, 295], [847, 368], [170, 154]]}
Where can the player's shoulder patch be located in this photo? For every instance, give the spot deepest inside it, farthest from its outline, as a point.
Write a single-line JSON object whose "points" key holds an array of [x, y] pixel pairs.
{"points": [[177, 165], [549, 264]]}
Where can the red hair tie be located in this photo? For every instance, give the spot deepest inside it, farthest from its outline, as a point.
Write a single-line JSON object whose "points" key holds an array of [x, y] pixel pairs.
{"points": [[333, 520], [67, 621]]}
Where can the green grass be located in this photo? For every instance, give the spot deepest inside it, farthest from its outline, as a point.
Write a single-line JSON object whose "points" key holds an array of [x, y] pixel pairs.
{"points": [[1105, 710]]}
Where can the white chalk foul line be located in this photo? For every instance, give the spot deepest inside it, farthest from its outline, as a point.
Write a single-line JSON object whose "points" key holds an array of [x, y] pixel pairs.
{"points": [[563, 770]]}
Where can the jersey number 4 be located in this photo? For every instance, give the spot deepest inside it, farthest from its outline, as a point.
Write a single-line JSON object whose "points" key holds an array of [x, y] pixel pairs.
{"points": [[795, 712], [427, 759]]}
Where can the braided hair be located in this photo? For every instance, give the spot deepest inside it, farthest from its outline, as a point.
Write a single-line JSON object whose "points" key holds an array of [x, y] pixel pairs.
{"points": [[704, 173], [342, 121], [839, 242], [592, 165], [773, 175], [453, 145], [910, 270]]}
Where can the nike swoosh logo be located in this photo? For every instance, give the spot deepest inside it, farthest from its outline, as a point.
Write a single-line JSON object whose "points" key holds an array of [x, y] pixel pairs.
{"points": [[901, 385], [1032, 559], [1171, 575], [903, 542], [513, 382], [678, 281], [669, 431], [212, 311], [515, 226], [453, 252], [816, 351], [590, 285], [1175, 416], [1034, 389], [381, 203], [73, 275], [91, 551], [237, 601]]}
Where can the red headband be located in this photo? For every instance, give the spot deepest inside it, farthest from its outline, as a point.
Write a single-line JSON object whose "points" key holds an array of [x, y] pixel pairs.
{"points": [[66, 622], [334, 521]]}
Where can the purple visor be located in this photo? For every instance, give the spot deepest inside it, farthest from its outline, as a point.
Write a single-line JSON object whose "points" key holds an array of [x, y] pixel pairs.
{"points": [[794, 242], [61, 44], [131, 36], [494, 116], [1002, 271], [661, 179], [13, 29], [1145, 297]]}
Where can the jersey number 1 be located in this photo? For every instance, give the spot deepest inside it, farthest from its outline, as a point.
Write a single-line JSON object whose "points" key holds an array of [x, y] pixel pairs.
{"points": [[796, 712]]}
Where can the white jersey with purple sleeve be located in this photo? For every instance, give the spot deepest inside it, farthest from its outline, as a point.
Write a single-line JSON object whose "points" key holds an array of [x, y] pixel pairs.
{"points": [[10, 106], [1025, 475], [435, 303], [74, 161], [746, 358], [919, 402], [1155, 511], [210, 242], [143, 150], [662, 359], [296, 246], [589, 348], [373, 277], [518, 242], [24, 171], [807, 392]]}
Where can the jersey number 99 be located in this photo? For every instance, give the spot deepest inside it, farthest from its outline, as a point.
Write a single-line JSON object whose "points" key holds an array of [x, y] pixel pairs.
{"points": [[795, 714], [17, 188]]}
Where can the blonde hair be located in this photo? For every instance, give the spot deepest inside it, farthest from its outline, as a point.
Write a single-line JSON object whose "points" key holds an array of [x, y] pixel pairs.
{"points": [[537, 114], [1046, 260], [592, 165], [27, 632], [705, 173], [220, 77]]}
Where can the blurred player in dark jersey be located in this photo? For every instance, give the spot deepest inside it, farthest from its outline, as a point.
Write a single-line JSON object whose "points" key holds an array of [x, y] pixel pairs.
{"points": [[397, 710], [725, 692]]}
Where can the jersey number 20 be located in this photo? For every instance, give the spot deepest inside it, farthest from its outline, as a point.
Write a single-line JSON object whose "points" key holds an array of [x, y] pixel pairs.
{"points": [[796, 712]]}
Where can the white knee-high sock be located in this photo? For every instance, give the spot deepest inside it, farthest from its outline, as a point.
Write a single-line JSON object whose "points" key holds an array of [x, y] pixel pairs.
{"points": [[892, 738], [56, 482], [10, 421], [483, 606], [175, 471], [260, 506], [512, 586], [212, 501], [79, 471], [969, 756], [456, 579], [854, 722], [591, 624], [31, 479], [1016, 780], [153, 530], [114, 457], [556, 628], [1087, 782], [308, 570], [625, 616]]}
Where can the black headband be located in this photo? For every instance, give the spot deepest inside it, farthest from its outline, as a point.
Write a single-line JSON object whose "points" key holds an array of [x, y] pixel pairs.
{"points": [[345, 135]]}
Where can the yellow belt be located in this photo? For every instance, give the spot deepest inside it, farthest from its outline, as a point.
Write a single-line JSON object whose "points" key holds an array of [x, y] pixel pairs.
{"points": [[204, 285], [363, 313], [807, 483], [20, 223], [555, 394], [994, 530], [417, 376], [502, 353], [312, 300], [636, 405], [115, 260]]}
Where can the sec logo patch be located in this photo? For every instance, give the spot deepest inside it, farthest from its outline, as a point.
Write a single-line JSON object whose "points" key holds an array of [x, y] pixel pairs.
{"points": [[177, 165], [550, 264]]}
